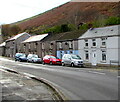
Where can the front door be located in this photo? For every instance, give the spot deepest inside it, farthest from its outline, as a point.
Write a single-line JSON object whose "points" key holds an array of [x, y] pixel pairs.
{"points": [[94, 58]]}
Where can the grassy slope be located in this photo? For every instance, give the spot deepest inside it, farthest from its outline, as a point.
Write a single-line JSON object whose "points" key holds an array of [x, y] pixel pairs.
{"points": [[72, 13]]}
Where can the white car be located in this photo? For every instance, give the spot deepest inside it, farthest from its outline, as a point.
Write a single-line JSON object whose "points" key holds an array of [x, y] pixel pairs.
{"points": [[34, 58], [72, 59]]}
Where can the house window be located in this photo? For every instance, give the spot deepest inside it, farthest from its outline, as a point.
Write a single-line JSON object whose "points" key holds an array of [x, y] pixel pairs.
{"points": [[60, 44], [86, 55], [103, 55], [86, 43], [35, 45], [24, 47], [50, 52], [70, 44], [66, 43], [93, 42], [51, 44], [61, 54], [29, 46], [43, 46], [103, 41]]}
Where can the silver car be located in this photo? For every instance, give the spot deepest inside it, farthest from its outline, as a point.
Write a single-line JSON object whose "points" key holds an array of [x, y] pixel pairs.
{"points": [[34, 58], [72, 59]]}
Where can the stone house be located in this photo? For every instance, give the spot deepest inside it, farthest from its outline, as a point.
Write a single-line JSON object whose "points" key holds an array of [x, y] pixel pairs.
{"points": [[49, 44], [66, 47], [37, 45], [68, 43], [2, 49], [12, 44]]}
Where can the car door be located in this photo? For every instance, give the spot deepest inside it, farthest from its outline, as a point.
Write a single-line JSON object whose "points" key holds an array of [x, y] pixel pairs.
{"points": [[64, 59], [47, 59], [69, 60]]}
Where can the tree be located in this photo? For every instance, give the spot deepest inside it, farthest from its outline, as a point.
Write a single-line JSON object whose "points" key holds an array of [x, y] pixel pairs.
{"points": [[14, 30], [5, 30], [9, 30], [64, 28]]}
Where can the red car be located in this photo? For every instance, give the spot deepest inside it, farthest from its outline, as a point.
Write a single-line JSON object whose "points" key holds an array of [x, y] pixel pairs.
{"points": [[50, 59]]}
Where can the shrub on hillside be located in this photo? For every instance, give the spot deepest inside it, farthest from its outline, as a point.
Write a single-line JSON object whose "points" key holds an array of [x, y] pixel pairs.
{"points": [[113, 21]]}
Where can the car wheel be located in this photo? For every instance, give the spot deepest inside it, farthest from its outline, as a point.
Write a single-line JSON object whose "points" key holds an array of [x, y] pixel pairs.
{"points": [[43, 62], [51, 63], [63, 64], [72, 64]]}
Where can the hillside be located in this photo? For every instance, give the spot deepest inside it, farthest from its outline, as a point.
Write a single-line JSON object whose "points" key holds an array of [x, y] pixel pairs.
{"points": [[71, 12]]}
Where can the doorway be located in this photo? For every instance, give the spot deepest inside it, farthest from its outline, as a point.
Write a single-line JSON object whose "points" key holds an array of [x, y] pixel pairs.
{"points": [[94, 58]]}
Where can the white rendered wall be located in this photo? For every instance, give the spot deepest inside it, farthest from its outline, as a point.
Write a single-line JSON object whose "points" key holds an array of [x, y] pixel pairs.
{"points": [[111, 50]]}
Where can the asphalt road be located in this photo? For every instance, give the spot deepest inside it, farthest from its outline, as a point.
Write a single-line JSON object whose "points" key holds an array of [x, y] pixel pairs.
{"points": [[75, 83]]}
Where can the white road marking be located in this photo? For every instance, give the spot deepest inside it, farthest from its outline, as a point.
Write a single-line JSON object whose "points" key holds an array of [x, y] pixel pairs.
{"points": [[97, 72]]}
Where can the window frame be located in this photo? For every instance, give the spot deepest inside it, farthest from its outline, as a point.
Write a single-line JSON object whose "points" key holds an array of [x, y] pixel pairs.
{"points": [[86, 43], [104, 56], [86, 55], [94, 42], [103, 40]]}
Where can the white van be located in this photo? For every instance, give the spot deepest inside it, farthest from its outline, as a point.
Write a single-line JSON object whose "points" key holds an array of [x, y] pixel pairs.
{"points": [[72, 59]]}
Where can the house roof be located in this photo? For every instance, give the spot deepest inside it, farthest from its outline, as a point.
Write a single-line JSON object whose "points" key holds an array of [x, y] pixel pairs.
{"points": [[103, 31], [35, 38], [17, 36], [65, 36], [2, 44]]}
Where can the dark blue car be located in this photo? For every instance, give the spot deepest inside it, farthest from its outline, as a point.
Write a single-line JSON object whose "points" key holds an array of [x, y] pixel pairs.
{"points": [[20, 57]]}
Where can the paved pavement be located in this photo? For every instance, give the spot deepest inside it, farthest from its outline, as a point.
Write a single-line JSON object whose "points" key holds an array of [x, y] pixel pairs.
{"points": [[20, 88]]}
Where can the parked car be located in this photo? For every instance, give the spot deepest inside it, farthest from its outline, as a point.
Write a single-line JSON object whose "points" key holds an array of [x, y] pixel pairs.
{"points": [[34, 58], [20, 57], [72, 59], [50, 59]]}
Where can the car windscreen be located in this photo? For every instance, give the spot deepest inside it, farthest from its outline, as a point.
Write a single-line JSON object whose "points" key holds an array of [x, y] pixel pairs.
{"points": [[53, 57], [75, 57], [19, 54], [23, 55], [35, 56]]}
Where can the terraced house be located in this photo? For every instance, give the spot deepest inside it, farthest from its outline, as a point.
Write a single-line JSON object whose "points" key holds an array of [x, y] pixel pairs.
{"points": [[66, 47], [38, 45], [12, 44], [100, 46], [49, 44], [2, 49], [67, 43]]}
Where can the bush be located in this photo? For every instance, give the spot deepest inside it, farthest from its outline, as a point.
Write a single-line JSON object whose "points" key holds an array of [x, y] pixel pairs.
{"points": [[60, 28], [84, 27], [112, 21]]}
